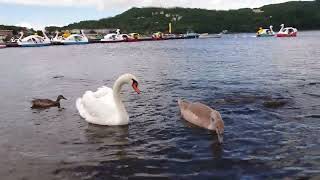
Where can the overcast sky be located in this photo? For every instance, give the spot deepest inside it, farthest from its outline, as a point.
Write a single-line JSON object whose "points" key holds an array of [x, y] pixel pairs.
{"points": [[39, 13]]}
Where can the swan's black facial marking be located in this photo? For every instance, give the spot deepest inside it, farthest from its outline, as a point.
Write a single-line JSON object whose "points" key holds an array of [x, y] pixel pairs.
{"points": [[135, 86], [135, 82]]}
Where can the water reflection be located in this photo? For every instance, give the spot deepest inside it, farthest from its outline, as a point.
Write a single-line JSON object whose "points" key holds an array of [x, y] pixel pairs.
{"points": [[112, 141], [217, 149], [96, 133]]}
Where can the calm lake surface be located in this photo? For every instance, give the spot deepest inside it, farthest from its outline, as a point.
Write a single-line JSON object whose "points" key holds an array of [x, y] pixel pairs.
{"points": [[267, 90]]}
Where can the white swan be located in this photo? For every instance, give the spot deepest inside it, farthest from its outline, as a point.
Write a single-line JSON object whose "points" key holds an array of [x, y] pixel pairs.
{"points": [[104, 107]]}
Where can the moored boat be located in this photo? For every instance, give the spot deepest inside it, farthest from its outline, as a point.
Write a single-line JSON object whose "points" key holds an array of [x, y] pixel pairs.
{"points": [[73, 39], [287, 32], [115, 37], [157, 36], [33, 40], [265, 32], [170, 36], [133, 37], [191, 35]]}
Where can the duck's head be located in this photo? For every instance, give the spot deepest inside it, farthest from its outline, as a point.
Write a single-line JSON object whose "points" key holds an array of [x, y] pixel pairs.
{"points": [[61, 97]]}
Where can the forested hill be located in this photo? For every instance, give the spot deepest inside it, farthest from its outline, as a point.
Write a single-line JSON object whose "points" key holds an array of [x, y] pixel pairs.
{"points": [[14, 28], [305, 15]]}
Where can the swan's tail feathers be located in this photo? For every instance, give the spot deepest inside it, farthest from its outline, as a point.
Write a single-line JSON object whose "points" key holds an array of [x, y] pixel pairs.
{"points": [[80, 108], [183, 104]]}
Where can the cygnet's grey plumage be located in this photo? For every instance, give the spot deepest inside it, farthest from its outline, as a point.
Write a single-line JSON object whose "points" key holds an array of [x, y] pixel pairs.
{"points": [[203, 116]]}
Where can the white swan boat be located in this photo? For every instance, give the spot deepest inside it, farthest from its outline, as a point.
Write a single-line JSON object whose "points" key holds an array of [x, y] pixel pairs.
{"points": [[72, 39], [287, 32], [265, 32], [115, 37], [33, 40]]}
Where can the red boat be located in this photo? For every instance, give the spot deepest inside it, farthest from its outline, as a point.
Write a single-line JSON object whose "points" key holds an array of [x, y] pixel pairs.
{"points": [[287, 32]]}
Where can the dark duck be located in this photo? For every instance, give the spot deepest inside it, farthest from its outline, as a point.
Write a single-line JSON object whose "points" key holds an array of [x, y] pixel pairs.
{"points": [[47, 103]]}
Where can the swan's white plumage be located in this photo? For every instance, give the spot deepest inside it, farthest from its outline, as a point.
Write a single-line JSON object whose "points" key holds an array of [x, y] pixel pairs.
{"points": [[99, 108], [104, 107]]}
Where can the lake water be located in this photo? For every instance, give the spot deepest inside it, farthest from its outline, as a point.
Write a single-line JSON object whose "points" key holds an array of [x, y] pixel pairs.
{"points": [[237, 74]]}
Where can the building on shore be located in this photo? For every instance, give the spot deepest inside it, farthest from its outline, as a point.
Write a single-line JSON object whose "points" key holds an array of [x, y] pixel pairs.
{"points": [[257, 10]]}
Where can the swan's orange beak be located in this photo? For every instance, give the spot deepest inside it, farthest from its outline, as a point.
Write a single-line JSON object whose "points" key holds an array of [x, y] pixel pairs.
{"points": [[135, 87]]}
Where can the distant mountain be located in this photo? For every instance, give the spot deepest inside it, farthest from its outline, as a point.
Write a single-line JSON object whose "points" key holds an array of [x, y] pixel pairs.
{"points": [[15, 29], [305, 15]]}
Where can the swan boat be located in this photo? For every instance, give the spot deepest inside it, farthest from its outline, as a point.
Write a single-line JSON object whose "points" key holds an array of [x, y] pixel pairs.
{"points": [[71, 40], [157, 36], [134, 37], [287, 32], [115, 37], [33, 40], [265, 32]]}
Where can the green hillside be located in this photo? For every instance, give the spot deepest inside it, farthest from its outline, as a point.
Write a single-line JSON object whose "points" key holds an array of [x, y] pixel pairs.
{"points": [[305, 15], [15, 29]]}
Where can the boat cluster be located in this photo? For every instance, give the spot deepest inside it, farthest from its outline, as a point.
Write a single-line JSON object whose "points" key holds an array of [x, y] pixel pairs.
{"points": [[67, 39], [283, 32], [81, 38]]}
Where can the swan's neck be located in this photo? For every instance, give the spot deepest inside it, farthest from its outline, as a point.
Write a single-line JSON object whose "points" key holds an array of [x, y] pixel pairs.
{"points": [[57, 35], [282, 26], [271, 29], [44, 35], [21, 35], [82, 33], [116, 95]]}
